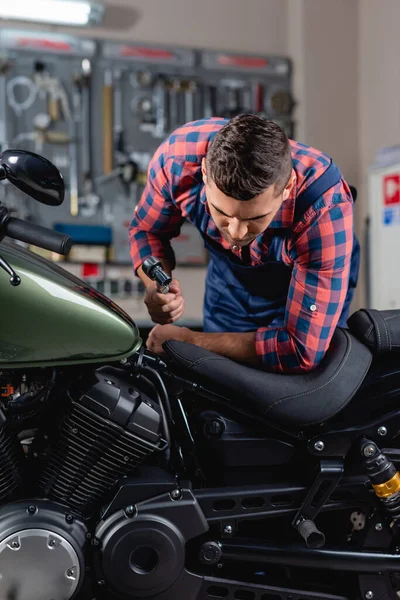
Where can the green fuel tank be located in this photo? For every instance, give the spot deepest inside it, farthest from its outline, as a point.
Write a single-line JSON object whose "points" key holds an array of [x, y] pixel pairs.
{"points": [[53, 318]]}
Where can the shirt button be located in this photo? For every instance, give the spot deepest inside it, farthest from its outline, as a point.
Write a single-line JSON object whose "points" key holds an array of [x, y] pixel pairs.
{"points": [[313, 308]]}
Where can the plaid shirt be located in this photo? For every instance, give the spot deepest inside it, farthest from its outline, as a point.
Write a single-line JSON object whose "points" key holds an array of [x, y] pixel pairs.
{"points": [[318, 249]]}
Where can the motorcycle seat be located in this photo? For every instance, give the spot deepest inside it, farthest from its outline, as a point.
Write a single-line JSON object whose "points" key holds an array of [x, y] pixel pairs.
{"points": [[379, 330], [301, 400]]}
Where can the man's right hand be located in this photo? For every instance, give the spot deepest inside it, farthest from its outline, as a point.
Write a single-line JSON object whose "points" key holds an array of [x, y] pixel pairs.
{"points": [[165, 308]]}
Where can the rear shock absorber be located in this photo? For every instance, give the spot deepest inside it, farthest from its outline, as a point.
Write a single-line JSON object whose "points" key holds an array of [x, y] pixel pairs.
{"points": [[384, 477]]}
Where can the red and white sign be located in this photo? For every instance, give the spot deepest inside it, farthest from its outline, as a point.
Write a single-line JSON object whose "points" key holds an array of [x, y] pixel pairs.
{"points": [[242, 61], [146, 52], [391, 189]]}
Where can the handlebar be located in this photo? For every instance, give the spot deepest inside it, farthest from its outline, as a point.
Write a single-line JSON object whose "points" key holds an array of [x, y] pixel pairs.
{"points": [[38, 236]]}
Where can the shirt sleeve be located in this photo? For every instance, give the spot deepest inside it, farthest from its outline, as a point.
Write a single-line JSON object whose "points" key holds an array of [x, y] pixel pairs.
{"points": [[317, 292], [156, 219]]}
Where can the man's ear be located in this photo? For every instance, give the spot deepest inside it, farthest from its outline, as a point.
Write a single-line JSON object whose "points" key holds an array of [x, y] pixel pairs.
{"points": [[289, 186], [204, 170]]}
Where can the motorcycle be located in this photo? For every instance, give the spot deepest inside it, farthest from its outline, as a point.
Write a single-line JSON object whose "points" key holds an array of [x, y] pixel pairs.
{"points": [[129, 475]]}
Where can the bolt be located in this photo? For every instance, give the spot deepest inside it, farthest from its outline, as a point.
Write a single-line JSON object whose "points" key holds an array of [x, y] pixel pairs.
{"points": [[214, 428], [75, 430], [130, 510], [71, 573], [101, 582], [176, 494], [369, 450], [69, 518], [319, 446], [126, 458], [88, 535], [382, 430], [95, 542], [378, 527], [32, 509], [52, 543], [219, 565], [123, 361], [369, 595], [109, 382], [15, 545], [228, 529]]}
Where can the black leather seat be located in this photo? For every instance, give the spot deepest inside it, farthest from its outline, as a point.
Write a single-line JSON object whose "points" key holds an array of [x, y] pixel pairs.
{"points": [[294, 400]]}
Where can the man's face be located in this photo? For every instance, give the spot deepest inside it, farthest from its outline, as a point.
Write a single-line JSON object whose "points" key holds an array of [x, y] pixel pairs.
{"points": [[240, 222]]}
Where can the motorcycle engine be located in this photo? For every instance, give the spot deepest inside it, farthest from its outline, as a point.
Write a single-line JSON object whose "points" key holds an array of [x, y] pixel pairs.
{"points": [[106, 429]]}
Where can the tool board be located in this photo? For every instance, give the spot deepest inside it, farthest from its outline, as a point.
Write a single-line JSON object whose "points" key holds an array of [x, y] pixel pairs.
{"points": [[99, 109]]}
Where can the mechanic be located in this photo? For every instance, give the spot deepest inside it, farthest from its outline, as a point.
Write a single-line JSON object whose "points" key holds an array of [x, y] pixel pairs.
{"points": [[277, 219]]}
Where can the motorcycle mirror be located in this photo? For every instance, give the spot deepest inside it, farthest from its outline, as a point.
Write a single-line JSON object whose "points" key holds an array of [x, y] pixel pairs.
{"points": [[34, 175]]}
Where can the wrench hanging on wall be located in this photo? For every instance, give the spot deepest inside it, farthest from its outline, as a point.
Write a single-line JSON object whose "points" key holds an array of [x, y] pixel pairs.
{"points": [[190, 89], [4, 69], [88, 202], [161, 116], [75, 124], [119, 136], [107, 123]]}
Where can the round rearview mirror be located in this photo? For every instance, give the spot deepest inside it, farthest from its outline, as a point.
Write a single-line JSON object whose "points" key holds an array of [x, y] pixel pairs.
{"points": [[34, 175]]}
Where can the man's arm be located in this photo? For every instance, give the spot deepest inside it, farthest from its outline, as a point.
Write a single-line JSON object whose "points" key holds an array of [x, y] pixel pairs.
{"points": [[317, 292], [236, 346], [156, 219]]}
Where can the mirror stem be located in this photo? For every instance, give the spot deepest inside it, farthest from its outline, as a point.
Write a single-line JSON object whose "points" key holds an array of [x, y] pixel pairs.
{"points": [[14, 278], [3, 174]]}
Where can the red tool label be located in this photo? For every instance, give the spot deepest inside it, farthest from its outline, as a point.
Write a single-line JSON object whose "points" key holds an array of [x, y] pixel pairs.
{"points": [[44, 44], [391, 189], [242, 61], [146, 52]]}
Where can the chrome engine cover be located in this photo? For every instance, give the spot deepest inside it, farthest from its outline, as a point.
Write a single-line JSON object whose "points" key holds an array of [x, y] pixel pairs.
{"points": [[41, 551]]}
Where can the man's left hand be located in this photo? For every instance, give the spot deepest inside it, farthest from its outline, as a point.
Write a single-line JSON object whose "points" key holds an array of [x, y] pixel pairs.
{"points": [[162, 333]]}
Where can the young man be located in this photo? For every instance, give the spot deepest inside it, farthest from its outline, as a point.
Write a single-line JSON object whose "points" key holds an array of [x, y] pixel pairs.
{"points": [[277, 219]]}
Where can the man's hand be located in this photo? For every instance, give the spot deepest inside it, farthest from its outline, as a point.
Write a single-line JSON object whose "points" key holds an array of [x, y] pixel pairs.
{"points": [[240, 347], [165, 308], [161, 333]]}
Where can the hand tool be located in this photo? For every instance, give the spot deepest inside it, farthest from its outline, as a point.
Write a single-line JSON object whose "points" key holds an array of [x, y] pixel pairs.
{"points": [[152, 267], [74, 126], [119, 142], [159, 90], [190, 96], [107, 123], [4, 69], [25, 82]]}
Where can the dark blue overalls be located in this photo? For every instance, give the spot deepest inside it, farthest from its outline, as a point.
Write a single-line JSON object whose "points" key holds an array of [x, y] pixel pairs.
{"points": [[244, 298]]}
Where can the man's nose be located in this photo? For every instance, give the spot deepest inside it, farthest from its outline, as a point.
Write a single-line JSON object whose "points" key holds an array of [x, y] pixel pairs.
{"points": [[237, 229]]}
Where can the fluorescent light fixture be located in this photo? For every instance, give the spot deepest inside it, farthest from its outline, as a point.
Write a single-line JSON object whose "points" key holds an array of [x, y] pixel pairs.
{"points": [[57, 12]]}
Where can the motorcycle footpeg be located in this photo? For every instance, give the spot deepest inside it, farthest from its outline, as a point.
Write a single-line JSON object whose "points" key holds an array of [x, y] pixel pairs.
{"points": [[313, 537]]}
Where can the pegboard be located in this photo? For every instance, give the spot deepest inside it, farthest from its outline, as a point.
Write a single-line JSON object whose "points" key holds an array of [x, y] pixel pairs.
{"points": [[138, 94]]}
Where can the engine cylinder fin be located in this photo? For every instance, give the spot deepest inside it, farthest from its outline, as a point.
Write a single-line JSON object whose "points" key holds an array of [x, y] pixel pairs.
{"points": [[10, 476], [89, 456]]}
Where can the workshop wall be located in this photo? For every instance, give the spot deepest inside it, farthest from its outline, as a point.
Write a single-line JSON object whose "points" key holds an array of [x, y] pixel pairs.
{"points": [[323, 45], [253, 26], [379, 90]]}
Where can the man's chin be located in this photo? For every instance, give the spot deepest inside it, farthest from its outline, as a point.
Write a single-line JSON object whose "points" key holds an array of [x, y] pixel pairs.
{"points": [[240, 244]]}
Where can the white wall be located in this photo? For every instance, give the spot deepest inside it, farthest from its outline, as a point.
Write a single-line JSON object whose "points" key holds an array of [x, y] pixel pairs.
{"points": [[253, 25], [379, 93]]}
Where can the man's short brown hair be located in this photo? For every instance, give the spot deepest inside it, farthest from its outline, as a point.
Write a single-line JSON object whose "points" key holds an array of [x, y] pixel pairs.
{"points": [[248, 155]]}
